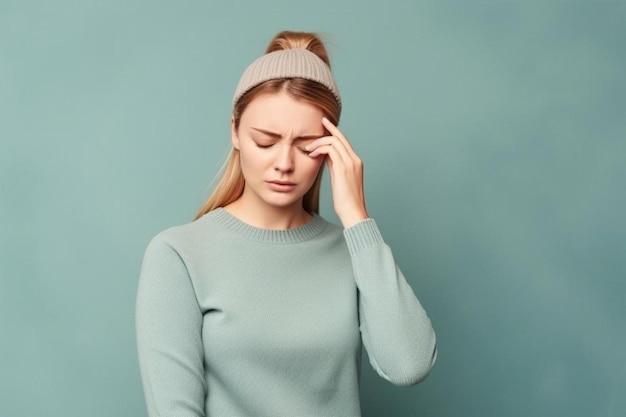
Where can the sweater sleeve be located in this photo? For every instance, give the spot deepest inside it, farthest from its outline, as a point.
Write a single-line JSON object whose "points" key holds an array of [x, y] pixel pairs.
{"points": [[395, 329], [169, 335]]}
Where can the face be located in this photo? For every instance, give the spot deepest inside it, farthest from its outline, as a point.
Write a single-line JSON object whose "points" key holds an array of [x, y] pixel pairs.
{"points": [[273, 132]]}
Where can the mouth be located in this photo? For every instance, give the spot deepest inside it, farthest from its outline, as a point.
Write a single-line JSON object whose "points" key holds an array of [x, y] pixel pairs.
{"points": [[281, 186]]}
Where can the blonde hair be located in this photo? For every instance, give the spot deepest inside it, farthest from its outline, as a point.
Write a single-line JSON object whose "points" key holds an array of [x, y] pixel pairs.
{"points": [[231, 184]]}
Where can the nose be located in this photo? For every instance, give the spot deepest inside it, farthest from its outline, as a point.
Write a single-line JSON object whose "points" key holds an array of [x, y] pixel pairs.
{"points": [[284, 159]]}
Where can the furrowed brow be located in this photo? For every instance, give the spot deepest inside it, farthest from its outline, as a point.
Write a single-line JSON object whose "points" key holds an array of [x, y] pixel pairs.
{"points": [[267, 132], [275, 135]]}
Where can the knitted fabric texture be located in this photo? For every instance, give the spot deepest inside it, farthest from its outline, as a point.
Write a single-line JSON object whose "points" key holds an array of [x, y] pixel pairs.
{"points": [[287, 63], [239, 321]]}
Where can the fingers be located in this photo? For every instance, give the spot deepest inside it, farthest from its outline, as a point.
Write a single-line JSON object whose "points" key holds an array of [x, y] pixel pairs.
{"points": [[336, 141], [334, 130], [324, 145]]}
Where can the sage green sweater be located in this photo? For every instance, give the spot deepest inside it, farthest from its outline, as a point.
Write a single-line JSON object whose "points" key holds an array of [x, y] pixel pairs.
{"points": [[235, 321]]}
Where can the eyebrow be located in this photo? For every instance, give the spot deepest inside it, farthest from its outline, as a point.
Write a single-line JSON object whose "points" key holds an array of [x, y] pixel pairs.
{"points": [[278, 136]]}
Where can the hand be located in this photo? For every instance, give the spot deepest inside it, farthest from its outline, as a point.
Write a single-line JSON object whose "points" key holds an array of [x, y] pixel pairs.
{"points": [[346, 174]]}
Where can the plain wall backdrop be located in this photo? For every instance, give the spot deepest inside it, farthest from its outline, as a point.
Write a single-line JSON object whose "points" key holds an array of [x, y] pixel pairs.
{"points": [[493, 136]]}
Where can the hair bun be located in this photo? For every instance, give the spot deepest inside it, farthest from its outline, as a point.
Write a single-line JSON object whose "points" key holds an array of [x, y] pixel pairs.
{"points": [[303, 40]]}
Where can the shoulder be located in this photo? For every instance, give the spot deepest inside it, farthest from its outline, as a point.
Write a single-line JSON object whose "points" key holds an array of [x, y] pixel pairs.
{"points": [[331, 239], [181, 237]]}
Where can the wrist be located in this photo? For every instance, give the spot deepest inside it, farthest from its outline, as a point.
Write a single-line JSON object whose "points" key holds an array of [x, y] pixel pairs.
{"points": [[350, 219]]}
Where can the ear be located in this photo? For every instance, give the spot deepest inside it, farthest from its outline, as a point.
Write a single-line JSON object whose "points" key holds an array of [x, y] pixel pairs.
{"points": [[233, 134]]}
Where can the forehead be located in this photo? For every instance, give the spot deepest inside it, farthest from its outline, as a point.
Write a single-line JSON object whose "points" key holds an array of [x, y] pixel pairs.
{"points": [[280, 112]]}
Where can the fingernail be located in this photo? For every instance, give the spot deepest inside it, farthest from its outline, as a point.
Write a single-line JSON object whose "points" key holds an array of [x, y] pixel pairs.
{"points": [[312, 144]]}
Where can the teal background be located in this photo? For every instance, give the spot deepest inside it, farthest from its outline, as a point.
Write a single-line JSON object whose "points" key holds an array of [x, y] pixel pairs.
{"points": [[493, 139]]}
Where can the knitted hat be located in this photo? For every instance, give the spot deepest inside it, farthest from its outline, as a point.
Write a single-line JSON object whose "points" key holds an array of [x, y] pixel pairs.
{"points": [[287, 63]]}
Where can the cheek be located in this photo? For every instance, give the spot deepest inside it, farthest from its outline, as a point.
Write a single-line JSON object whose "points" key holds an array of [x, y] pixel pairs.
{"points": [[250, 160], [313, 165]]}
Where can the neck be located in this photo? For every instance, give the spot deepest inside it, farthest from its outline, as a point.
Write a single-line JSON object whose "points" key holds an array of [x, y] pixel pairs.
{"points": [[269, 217]]}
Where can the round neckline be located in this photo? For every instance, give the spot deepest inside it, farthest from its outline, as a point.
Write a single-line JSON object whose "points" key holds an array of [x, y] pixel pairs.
{"points": [[297, 234]]}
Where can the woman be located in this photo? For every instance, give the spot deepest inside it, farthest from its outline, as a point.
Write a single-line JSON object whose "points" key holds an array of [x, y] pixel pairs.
{"points": [[259, 306]]}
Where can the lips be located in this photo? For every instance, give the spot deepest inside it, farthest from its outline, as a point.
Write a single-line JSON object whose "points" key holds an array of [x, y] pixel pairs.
{"points": [[281, 186]]}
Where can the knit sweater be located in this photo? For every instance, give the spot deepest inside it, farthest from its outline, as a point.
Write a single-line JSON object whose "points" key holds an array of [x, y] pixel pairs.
{"points": [[233, 320]]}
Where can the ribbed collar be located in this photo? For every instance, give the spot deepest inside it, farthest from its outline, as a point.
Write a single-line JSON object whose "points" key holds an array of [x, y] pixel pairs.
{"points": [[298, 234]]}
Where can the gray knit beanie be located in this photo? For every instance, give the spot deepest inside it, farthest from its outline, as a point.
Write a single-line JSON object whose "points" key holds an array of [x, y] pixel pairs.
{"points": [[286, 63]]}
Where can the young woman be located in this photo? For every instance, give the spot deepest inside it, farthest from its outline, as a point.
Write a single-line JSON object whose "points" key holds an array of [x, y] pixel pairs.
{"points": [[259, 307]]}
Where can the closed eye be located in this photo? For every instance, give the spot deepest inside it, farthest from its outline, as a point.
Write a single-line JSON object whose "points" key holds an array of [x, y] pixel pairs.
{"points": [[266, 146], [304, 151]]}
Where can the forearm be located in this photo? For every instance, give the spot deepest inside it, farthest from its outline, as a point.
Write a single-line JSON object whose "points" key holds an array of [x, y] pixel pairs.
{"points": [[395, 328]]}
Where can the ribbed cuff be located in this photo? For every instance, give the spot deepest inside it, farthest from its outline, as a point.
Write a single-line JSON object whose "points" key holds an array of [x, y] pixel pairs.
{"points": [[362, 235]]}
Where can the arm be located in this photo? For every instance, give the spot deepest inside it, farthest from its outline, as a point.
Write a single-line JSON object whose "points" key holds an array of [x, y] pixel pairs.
{"points": [[395, 329], [169, 338]]}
